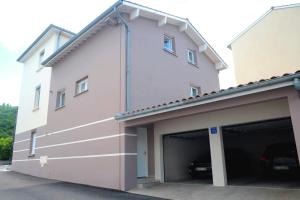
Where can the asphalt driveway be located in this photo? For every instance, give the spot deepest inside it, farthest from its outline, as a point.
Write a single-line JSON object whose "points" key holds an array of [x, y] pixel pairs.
{"points": [[15, 186]]}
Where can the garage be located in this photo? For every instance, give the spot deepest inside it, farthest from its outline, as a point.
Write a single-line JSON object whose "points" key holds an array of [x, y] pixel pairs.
{"points": [[187, 157], [237, 124], [261, 154]]}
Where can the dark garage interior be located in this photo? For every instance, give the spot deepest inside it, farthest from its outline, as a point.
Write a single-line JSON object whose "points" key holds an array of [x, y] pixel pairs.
{"points": [[181, 150], [261, 154]]}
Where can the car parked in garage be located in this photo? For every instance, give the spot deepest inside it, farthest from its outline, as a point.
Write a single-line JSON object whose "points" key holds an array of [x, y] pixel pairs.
{"points": [[280, 158], [202, 167], [235, 159]]}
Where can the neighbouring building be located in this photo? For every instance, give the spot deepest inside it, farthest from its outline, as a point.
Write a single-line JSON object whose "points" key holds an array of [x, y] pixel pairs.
{"points": [[269, 46], [128, 58], [34, 97]]}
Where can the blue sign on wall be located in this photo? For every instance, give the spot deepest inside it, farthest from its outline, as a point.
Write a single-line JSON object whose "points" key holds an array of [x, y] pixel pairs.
{"points": [[213, 130]]}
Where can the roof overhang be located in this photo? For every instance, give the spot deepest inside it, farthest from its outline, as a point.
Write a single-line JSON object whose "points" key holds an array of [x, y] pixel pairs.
{"points": [[242, 90], [259, 20], [46, 34], [183, 24], [134, 11]]}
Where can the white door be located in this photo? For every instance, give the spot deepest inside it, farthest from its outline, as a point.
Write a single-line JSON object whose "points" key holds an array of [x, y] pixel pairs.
{"points": [[142, 153]]}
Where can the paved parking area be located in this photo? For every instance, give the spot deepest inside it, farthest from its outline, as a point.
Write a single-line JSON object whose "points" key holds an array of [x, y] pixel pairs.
{"points": [[193, 191], [14, 186]]}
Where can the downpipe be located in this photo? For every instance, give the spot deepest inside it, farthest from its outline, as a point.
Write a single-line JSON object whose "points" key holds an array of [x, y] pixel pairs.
{"points": [[128, 62], [297, 85]]}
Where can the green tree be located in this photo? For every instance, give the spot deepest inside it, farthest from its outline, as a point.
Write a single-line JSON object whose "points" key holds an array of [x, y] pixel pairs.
{"points": [[6, 144], [8, 115]]}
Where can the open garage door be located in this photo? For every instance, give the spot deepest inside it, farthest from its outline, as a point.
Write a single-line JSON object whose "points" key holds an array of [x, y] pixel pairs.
{"points": [[187, 157], [261, 154]]}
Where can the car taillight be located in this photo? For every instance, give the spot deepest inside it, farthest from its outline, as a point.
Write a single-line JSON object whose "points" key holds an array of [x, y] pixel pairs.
{"points": [[264, 158]]}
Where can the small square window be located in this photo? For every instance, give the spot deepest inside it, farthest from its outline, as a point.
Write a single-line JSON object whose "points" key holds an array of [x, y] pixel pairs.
{"points": [[32, 143], [169, 44], [37, 97], [82, 85], [194, 91], [60, 99], [191, 56]]}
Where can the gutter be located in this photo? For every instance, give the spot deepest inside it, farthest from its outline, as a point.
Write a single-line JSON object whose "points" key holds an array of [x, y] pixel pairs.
{"points": [[288, 80], [83, 31], [128, 62]]}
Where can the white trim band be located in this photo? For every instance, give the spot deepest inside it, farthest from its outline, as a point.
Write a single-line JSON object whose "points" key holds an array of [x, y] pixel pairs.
{"points": [[69, 129], [81, 141], [21, 150], [79, 157], [20, 141]]}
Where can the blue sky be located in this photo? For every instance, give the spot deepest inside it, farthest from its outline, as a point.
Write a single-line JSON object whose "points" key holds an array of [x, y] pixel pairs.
{"points": [[217, 20]]}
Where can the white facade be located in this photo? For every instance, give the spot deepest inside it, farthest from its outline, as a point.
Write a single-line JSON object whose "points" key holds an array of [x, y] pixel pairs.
{"points": [[34, 75]]}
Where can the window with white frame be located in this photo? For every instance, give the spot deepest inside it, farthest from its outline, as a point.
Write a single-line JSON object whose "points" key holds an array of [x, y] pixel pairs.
{"points": [[32, 143], [194, 91], [191, 56], [169, 43], [37, 96], [82, 85], [60, 99]]}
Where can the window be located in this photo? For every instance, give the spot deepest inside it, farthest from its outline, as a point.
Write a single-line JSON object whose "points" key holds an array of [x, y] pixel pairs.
{"points": [[82, 85], [194, 91], [32, 143], [60, 99], [41, 59], [191, 57], [37, 97], [169, 44]]}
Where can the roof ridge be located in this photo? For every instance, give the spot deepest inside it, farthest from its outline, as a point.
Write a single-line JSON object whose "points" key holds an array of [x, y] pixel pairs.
{"points": [[286, 6]]}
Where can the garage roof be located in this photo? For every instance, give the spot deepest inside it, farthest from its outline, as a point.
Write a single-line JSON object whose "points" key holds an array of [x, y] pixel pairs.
{"points": [[135, 10], [245, 89]]}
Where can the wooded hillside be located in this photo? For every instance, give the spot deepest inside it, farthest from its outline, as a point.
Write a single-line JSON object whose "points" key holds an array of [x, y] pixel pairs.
{"points": [[8, 116]]}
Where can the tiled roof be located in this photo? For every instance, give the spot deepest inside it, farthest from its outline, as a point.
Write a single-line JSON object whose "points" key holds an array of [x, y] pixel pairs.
{"points": [[213, 94]]}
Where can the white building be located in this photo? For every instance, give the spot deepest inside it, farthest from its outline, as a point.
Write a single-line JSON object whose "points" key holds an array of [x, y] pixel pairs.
{"points": [[34, 97]]}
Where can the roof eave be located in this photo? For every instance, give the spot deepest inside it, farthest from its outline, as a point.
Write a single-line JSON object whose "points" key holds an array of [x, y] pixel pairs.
{"points": [[22, 57], [48, 61], [215, 57]]}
